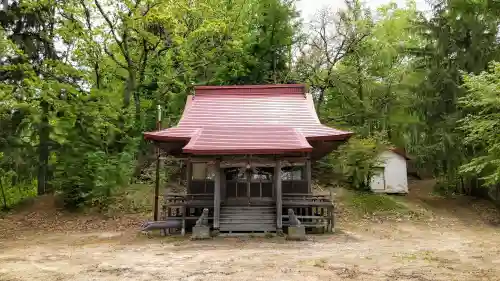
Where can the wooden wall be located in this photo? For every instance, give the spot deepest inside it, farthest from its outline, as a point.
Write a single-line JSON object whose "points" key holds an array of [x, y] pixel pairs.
{"points": [[295, 186], [207, 187], [202, 187]]}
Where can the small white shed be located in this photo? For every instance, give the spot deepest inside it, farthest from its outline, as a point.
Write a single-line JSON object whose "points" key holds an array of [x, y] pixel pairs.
{"points": [[391, 175]]}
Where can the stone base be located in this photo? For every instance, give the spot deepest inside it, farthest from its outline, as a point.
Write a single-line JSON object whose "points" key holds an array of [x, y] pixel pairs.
{"points": [[201, 232], [296, 233], [215, 233]]}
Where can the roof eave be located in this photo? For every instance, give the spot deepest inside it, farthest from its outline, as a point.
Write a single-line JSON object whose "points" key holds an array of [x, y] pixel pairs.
{"points": [[261, 151], [339, 137], [153, 137]]}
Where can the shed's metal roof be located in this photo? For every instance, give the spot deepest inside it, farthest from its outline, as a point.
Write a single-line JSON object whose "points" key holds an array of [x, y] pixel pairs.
{"points": [[264, 119]]}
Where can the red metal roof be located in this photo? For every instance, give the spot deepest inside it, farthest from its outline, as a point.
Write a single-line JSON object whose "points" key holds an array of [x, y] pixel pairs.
{"points": [[264, 119]]}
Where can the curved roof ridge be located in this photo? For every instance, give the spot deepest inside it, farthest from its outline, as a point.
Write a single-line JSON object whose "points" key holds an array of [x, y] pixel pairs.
{"points": [[274, 89]]}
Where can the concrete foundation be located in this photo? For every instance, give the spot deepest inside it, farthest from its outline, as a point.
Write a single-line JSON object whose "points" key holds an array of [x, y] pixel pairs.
{"points": [[296, 233]]}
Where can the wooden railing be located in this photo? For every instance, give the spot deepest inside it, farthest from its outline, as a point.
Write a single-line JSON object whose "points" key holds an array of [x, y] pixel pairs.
{"points": [[186, 207], [299, 199], [313, 211], [311, 221], [194, 200]]}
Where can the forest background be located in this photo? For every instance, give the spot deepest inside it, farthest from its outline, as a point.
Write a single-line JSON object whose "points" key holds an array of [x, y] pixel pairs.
{"points": [[81, 80]]}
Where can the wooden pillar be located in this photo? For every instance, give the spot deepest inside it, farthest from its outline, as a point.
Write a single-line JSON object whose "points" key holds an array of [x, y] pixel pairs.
{"points": [[308, 174], [158, 162], [189, 175], [249, 184], [332, 219], [223, 186], [217, 193], [332, 214], [157, 188], [279, 194]]}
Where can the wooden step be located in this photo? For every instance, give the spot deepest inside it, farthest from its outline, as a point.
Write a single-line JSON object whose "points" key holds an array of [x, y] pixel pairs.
{"points": [[248, 227], [250, 208], [248, 219], [223, 221], [248, 214], [255, 213]]}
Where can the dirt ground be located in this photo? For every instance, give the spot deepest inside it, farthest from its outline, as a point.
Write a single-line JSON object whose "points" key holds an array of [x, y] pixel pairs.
{"points": [[455, 242]]}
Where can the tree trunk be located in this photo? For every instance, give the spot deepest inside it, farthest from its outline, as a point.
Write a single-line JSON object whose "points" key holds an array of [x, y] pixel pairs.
{"points": [[3, 195], [360, 80], [321, 99], [43, 149]]}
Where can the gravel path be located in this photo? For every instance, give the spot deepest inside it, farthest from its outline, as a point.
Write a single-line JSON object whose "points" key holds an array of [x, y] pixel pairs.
{"points": [[373, 251]]}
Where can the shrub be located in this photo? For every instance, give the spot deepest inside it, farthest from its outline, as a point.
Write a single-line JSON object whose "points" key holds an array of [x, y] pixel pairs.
{"points": [[354, 162]]}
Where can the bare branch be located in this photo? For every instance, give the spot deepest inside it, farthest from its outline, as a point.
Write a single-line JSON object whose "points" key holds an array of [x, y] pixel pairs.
{"points": [[111, 26], [96, 59], [143, 60]]}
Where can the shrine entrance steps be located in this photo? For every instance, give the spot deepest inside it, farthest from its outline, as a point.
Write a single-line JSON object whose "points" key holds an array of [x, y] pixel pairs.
{"points": [[247, 219]]}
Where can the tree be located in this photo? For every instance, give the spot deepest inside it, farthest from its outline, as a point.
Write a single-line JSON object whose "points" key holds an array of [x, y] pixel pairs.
{"points": [[38, 77], [460, 36], [333, 36], [373, 91], [482, 123], [81, 79]]}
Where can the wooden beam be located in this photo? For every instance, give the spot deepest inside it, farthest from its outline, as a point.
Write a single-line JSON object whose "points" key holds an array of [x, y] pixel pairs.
{"points": [[217, 194], [238, 159], [279, 194]]}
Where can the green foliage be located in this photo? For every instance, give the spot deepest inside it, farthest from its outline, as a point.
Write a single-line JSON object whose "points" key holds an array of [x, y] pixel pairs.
{"points": [[10, 192], [400, 73], [482, 123], [460, 36], [446, 186], [81, 81], [356, 161], [132, 198]]}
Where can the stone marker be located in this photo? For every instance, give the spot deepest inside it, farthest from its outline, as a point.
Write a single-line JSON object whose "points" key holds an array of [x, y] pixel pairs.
{"points": [[296, 231], [201, 230]]}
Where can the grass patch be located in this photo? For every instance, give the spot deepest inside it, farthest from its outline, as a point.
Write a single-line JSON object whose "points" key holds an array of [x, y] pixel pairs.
{"points": [[366, 203]]}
